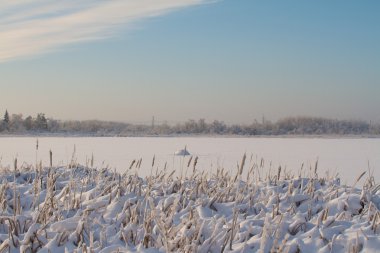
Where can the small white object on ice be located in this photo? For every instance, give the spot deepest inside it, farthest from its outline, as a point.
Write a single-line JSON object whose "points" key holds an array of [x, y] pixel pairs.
{"points": [[182, 152]]}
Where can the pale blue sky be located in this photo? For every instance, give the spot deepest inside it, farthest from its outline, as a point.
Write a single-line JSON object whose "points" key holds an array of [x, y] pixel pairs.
{"points": [[231, 60]]}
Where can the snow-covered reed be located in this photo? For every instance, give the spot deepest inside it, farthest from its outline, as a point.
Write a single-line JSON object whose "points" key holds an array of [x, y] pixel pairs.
{"points": [[83, 209]]}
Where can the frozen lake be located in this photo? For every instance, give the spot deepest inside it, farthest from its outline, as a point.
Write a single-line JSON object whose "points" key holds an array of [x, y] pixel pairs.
{"points": [[347, 156]]}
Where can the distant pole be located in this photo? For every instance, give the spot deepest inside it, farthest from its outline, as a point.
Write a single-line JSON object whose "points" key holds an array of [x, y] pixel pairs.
{"points": [[152, 122]]}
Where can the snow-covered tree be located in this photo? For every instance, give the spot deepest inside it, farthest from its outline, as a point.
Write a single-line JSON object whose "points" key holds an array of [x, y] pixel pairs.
{"points": [[41, 122], [16, 123], [28, 123]]}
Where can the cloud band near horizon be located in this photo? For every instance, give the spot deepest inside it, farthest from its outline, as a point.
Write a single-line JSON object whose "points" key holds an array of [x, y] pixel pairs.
{"points": [[34, 27]]}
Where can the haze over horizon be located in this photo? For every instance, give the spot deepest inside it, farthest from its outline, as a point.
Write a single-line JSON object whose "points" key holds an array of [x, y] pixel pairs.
{"points": [[228, 60]]}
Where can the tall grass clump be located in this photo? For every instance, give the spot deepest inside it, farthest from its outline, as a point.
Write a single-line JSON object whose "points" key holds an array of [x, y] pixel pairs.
{"points": [[78, 208]]}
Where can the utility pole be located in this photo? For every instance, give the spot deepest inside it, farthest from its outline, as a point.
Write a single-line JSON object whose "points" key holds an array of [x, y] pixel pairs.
{"points": [[153, 122]]}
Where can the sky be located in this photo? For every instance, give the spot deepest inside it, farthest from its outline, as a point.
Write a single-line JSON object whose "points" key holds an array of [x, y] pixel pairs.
{"points": [[229, 60]]}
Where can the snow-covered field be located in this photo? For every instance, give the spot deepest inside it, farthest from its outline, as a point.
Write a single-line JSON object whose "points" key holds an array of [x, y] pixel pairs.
{"points": [[348, 157], [217, 200]]}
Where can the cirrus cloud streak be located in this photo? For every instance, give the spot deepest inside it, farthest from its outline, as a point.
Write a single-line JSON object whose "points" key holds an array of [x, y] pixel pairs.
{"points": [[34, 27]]}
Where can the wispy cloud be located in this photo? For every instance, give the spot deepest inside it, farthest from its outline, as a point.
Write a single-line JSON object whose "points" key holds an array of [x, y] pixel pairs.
{"points": [[32, 27]]}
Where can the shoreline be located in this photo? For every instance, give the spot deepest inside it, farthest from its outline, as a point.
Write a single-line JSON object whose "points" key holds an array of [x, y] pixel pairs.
{"points": [[312, 136]]}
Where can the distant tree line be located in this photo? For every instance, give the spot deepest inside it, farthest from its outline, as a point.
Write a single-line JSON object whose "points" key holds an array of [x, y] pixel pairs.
{"points": [[16, 124], [286, 126]]}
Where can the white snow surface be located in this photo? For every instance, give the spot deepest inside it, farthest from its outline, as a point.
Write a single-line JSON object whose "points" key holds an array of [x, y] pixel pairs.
{"points": [[347, 156], [80, 209]]}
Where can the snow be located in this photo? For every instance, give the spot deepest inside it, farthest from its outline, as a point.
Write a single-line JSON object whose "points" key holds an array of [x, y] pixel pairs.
{"points": [[182, 152], [348, 157], [218, 202], [75, 208]]}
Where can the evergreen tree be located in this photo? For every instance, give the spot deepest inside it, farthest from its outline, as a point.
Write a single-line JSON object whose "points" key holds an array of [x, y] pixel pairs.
{"points": [[6, 120]]}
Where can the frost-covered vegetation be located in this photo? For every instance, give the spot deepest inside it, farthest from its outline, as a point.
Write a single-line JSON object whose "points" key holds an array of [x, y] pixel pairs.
{"points": [[254, 209], [16, 124]]}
